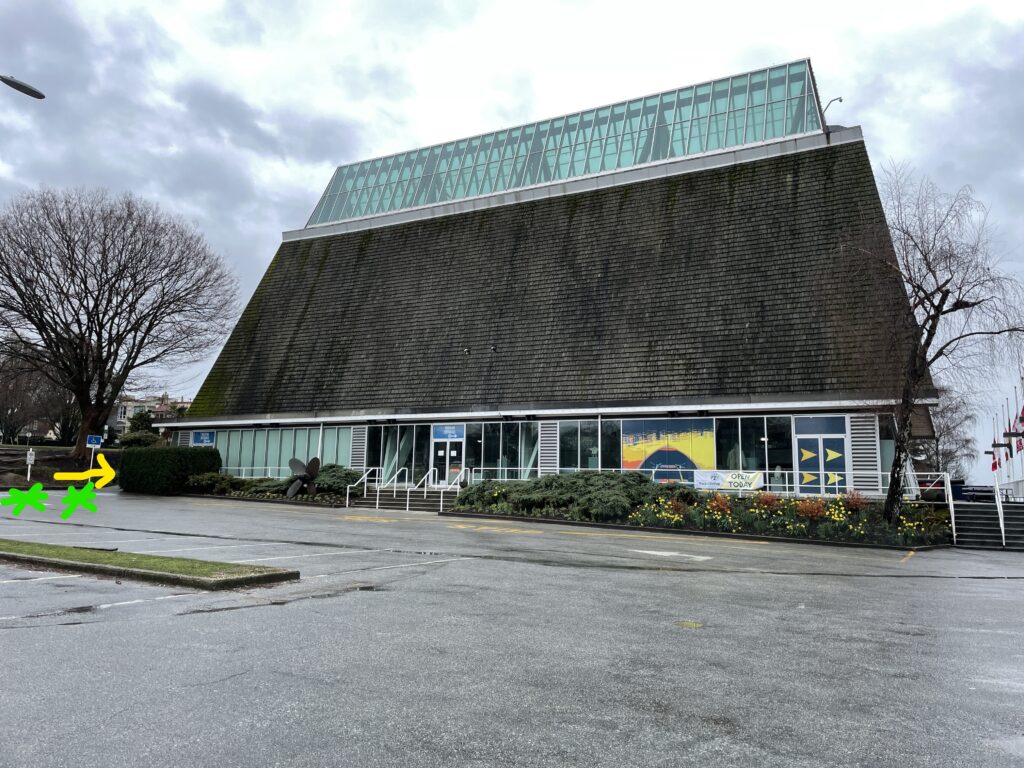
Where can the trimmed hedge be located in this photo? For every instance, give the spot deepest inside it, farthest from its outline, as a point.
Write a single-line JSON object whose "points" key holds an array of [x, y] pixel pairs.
{"points": [[164, 471]]}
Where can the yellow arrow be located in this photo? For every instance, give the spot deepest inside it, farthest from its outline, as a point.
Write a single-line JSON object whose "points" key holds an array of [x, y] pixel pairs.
{"points": [[805, 454], [105, 473], [833, 478], [830, 454], [809, 477]]}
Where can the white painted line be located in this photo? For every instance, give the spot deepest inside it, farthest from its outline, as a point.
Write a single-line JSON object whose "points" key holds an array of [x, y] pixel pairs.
{"points": [[660, 553], [123, 541], [193, 549], [318, 554], [40, 578], [48, 532], [388, 567], [148, 600]]}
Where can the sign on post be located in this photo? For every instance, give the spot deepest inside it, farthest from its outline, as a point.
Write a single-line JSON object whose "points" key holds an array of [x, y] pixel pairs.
{"points": [[94, 442], [202, 439], [30, 459]]}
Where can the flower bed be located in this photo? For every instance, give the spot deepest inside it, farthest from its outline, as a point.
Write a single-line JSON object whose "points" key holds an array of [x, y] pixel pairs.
{"points": [[632, 499]]}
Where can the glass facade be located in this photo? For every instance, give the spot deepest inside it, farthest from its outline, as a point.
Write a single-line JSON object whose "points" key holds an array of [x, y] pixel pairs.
{"points": [[795, 452], [505, 450], [265, 452], [764, 105]]}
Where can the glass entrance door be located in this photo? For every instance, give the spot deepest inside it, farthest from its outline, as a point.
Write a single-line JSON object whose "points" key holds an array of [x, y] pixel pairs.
{"points": [[446, 460]]}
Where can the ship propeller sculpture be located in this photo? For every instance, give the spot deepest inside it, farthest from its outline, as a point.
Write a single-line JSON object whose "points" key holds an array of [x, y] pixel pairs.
{"points": [[305, 475]]}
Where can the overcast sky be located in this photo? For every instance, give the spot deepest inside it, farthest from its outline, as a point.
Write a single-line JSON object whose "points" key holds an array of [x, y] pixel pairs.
{"points": [[234, 114]]}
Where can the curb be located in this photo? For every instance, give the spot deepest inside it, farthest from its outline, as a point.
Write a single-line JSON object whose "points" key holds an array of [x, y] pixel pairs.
{"points": [[694, 532], [141, 574], [322, 504]]}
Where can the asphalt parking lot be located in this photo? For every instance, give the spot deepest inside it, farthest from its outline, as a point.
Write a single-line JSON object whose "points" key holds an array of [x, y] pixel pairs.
{"points": [[419, 640]]}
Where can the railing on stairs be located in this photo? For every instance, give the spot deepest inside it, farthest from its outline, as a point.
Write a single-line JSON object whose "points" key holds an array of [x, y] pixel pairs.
{"points": [[424, 481], [999, 508], [455, 483], [394, 483], [364, 481]]}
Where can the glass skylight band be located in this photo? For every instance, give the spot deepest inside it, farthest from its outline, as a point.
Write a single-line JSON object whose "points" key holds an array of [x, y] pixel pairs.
{"points": [[767, 104]]}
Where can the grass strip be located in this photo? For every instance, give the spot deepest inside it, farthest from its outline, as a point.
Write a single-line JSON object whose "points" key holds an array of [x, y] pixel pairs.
{"points": [[177, 566]]}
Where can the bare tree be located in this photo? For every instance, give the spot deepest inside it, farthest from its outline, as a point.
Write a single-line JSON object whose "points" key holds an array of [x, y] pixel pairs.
{"points": [[964, 311], [94, 287], [953, 449]]}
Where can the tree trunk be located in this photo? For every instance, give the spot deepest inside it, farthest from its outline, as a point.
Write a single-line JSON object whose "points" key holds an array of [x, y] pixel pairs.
{"points": [[898, 471], [93, 419]]}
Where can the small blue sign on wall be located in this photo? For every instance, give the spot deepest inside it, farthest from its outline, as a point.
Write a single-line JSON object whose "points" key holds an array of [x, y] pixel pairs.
{"points": [[94, 441], [203, 438], [449, 431]]}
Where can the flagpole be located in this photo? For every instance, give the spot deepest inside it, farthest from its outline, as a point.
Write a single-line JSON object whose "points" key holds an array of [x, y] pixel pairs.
{"points": [[1018, 426], [1008, 454]]}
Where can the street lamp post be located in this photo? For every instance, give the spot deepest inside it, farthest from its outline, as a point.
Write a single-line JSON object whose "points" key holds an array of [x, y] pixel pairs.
{"points": [[25, 88]]}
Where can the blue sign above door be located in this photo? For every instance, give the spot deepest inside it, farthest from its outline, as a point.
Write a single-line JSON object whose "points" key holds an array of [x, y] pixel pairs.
{"points": [[449, 431]]}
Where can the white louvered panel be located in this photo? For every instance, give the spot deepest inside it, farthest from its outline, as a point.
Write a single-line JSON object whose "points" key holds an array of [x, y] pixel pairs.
{"points": [[547, 460], [864, 452], [183, 437], [358, 448]]}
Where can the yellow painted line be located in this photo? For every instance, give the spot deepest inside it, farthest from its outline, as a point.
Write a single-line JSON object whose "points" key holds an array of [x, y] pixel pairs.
{"points": [[494, 529], [666, 537], [907, 556]]}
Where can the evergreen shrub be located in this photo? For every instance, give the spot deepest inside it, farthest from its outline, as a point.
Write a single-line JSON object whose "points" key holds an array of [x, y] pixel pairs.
{"points": [[164, 471]]}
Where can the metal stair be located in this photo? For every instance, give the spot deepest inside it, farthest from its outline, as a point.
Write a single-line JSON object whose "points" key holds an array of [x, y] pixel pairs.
{"points": [[391, 500], [977, 525]]}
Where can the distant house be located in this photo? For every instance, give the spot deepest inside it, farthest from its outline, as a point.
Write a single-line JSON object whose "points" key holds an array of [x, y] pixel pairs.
{"points": [[163, 407], [659, 284]]}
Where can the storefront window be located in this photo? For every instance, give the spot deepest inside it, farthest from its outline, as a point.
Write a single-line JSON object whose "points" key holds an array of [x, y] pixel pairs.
{"points": [[780, 452], [569, 445], [474, 445], [509, 445], [752, 439], [492, 444], [588, 445], [727, 444], [611, 444]]}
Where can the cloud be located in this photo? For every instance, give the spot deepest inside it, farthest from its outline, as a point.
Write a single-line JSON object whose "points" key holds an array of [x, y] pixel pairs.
{"points": [[947, 98]]}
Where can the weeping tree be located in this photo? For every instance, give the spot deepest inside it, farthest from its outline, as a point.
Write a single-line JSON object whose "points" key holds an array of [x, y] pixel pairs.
{"points": [[953, 449], [95, 287], [965, 314]]}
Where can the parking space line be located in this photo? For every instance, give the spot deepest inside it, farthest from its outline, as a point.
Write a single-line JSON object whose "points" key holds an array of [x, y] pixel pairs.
{"points": [[389, 567], [148, 600], [318, 554], [665, 537], [42, 533], [195, 549], [41, 578]]}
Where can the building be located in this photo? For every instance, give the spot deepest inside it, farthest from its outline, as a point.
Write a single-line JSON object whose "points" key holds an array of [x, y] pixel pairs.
{"points": [[163, 407], [663, 284]]}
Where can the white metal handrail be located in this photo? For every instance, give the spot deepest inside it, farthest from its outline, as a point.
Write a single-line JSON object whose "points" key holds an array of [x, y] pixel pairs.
{"points": [[424, 482], [999, 507], [393, 481], [456, 483], [270, 472], [364, 480]]}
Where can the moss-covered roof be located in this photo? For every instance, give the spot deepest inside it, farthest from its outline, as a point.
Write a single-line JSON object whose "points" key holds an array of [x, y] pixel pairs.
{"points": [[728, 284]]}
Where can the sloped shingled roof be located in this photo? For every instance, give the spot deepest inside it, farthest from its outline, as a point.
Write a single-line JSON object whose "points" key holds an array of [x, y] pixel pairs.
{"points": [[722, 285]]}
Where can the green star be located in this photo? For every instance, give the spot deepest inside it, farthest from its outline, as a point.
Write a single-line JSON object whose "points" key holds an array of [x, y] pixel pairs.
{"points": [[33, 497], [75, 498]]}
